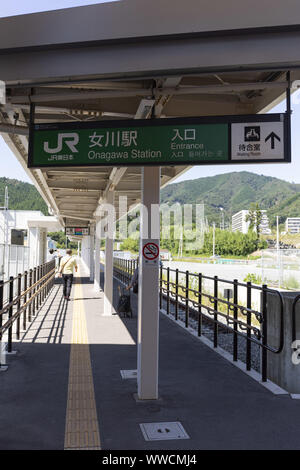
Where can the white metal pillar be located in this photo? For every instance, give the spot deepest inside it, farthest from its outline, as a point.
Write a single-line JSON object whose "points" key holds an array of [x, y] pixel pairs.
{"points": [[85, 250], [43, 246], [108, 270], [97, 255], [148, 302], [34, 246], [92, 253]]}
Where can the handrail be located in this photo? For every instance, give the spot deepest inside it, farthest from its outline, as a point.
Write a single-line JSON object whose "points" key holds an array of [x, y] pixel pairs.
{"points": [[23, 293], [32, 295]]}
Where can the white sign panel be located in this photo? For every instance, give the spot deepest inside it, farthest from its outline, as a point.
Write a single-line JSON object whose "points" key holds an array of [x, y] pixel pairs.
{"points": [[257, 141]]}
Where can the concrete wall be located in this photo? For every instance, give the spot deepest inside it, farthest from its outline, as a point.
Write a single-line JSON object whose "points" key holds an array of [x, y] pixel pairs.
{"points": [[281, 369], [16, 220], [37, 242]]}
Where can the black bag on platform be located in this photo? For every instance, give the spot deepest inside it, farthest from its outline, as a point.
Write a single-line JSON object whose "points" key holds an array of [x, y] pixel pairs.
{"points": [[124, 305], [135, 288]]}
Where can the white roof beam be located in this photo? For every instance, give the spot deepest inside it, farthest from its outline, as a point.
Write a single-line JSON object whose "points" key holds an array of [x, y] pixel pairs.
{"points": [[67, 184], [76, 96], [177, 90], [76, 217]]}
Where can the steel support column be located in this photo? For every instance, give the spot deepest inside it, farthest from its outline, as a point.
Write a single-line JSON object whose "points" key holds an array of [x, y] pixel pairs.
{"points": [[108, 270], [92, 254], [148, 307], [97, 255]]}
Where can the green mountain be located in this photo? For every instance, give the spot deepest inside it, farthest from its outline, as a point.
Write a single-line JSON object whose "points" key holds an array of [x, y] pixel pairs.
{"points": [[232, 191], [22, 196], [236, 191]]}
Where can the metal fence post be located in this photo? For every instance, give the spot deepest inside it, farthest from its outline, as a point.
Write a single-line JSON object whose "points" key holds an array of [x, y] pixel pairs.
{"points": [[25, 300], [199, 304], [51, 284], [160, 286], [186, 299], [30, 295], [128, 270], [42, 284], [176, 293], [10, 313], [47, 270], [38, 297], [34, 290], [215, 311], [168, 290], [19, 304], [235, 317], [264, 334], [248, 347]]}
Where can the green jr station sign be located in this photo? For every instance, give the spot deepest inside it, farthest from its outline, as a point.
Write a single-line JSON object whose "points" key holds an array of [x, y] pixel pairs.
{"points": [[187, 141]]}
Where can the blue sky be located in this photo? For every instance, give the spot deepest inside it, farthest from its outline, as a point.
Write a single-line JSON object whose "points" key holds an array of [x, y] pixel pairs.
{"points": [[20, 7], [11, 168]]}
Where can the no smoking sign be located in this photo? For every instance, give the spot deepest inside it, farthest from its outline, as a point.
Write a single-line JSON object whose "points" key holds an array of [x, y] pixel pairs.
{"points": [[151, 253]]}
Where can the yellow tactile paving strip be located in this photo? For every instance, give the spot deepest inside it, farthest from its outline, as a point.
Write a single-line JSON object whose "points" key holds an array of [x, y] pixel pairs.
{"points": [[82, 431]]}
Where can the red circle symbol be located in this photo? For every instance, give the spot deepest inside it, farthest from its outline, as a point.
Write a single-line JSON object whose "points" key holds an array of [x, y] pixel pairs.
{"points": [[150, 251]]}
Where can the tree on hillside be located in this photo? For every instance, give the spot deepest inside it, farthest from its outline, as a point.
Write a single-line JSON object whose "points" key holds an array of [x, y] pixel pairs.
{"points": [[60, 239], [254, 217], [22, 196]]}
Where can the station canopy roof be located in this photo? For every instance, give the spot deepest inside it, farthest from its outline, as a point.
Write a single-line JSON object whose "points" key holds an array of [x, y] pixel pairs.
{"points": [[73, 67]]}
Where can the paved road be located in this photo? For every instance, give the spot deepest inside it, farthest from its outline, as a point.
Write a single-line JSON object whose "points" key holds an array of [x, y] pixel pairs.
{"points": [[230, 272]]}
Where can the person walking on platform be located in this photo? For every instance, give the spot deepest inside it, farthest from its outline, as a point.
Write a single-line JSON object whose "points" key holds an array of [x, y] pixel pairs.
{"points": [[67, 265]]}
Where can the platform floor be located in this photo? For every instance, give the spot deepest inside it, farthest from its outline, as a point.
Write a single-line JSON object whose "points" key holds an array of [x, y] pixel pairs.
{"points": [[64, 390]]}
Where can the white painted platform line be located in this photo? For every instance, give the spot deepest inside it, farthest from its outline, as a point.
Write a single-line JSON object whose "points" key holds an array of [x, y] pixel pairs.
{"points": [[163, 431], [128, 374], [295, 396]]}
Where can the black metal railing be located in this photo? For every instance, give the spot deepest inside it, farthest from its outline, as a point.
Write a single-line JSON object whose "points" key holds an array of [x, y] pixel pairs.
{"points": [[26, 293], [294, 319], [187, 297]]}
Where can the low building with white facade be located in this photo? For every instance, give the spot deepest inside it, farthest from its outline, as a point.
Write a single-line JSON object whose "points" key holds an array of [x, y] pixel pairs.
{"points": [[292, 225], [23, 239], [240, 223]]}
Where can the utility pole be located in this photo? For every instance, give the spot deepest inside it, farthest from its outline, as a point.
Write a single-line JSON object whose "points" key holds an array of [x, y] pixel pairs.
{"points": [[214, 239], [277, 232], [222, 224]]}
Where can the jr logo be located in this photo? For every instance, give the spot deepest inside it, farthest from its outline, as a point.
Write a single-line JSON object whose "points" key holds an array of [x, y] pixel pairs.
{"points": [[71, 139]]}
